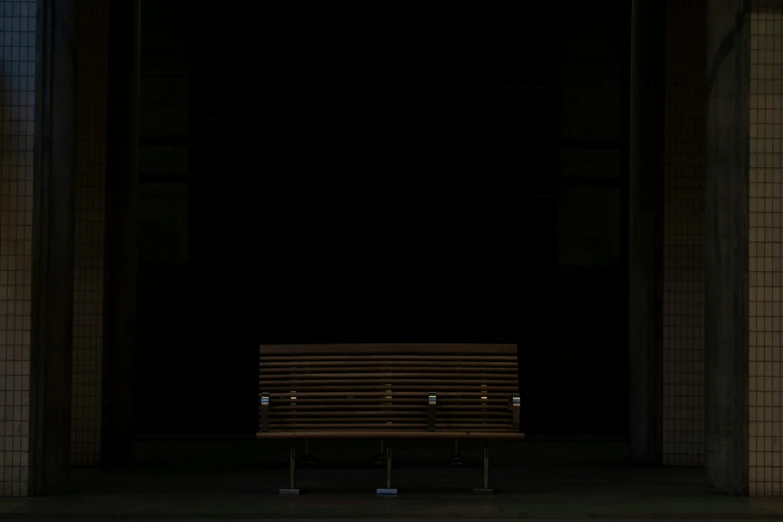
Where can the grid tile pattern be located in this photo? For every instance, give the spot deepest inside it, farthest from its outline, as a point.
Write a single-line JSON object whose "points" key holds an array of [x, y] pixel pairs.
{"points": [[684, 276], [17, 95], [92, 53], [766, 248]]}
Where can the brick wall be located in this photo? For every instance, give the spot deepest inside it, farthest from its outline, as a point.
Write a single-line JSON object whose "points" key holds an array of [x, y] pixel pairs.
{"points": [[766, 248], [17, 93]]}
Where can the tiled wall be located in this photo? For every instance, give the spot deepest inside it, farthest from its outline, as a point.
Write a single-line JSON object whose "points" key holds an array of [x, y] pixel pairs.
{"points": [[766, 248], [17, 91], [88, 277], [684, 183]]}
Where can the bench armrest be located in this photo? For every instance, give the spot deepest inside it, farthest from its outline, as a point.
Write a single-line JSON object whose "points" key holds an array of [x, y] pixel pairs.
{"points": [[432, 401], [265, 411], [515, 409]]}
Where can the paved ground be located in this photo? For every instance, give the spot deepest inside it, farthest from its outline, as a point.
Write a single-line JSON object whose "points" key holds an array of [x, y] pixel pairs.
{"points": [[425, 494], [557, 482]]}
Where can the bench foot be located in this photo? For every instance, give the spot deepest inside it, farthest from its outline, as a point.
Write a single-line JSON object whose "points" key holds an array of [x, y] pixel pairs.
{"points": [[386, 491], [483, 491], [289, 491], [308, 461], [456, 461]]}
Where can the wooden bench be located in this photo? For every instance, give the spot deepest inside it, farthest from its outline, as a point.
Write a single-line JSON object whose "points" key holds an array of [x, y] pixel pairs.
{"points": [[387, 392]]}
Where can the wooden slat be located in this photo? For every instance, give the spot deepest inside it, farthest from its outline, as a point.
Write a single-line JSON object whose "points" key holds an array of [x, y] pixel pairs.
{"points": [[376, 401], [383, 407], [296, 414], [389, 434], [406, 376], [402, 423], [438, 362], [347, 406], [408, 357], [390, 424], [304, 371], [398, 389], [370, 349], [404, 393], [417, 374], [382, 381], [348, 425]]}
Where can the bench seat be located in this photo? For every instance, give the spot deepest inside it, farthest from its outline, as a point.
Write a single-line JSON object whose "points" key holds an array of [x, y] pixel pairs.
{"points": [[389, 434]]}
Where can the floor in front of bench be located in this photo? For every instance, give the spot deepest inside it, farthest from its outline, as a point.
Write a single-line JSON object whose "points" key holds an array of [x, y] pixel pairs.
{"points": [[205, 480], [425, 494]]}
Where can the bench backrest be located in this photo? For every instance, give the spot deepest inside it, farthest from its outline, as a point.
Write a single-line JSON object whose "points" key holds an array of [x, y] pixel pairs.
{"points": [[388, 387]]}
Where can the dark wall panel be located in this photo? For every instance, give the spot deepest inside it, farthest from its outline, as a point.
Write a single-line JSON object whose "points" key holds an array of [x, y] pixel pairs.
{"points": [[344, 183]]}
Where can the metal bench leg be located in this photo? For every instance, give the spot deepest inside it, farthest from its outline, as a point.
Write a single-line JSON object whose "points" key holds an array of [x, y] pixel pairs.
{"points": [[380, 459], [388, 490], [486, 488], [307, 459], [456, 460], [291, 490]]}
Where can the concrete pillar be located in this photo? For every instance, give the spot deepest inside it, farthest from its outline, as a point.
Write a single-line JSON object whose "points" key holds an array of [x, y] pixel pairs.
{"points": [[726, 312], [53, 248], [646, 229], [91, 91], [121, 232], [765, 277], [683, 233]]}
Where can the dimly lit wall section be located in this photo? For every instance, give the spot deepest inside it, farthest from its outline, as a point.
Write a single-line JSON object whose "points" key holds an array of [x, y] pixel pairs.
{"points": [[460, 182], [766, 248], [593, 161], [17, 89], [163, 219], [91, 85], [683, 257]]}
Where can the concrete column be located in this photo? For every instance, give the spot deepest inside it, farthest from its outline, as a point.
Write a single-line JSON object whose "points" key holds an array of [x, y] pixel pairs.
{"points": [[726, 312], [91, 91], [645, 208], [53, 248], [121, 257]]}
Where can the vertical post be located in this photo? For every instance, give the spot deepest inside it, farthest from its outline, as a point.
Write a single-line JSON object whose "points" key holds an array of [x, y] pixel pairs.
{"points": [[292, 469], [432, 402], [645, 208], [380, 459], [727, 242], [457, 459], [121, 231], [388, 467], [486, 465], [264, 411], [291, 490], [485, 483], [53, 248], [388, 490]]}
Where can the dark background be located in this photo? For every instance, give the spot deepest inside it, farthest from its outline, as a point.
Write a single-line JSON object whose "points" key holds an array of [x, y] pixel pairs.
{"points": [[382, 177]]}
